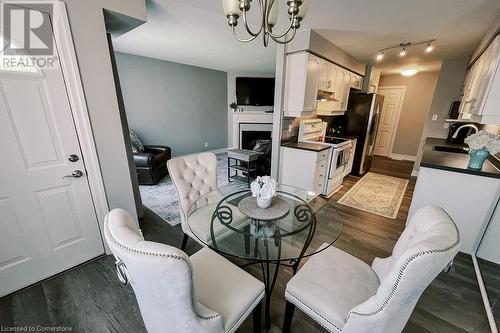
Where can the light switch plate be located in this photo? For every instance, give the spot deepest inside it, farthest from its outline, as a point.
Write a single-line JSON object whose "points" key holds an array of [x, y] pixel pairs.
{"points": [[434, 117], [446, 125]]}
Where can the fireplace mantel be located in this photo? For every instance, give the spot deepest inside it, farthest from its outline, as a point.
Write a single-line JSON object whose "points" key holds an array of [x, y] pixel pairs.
{"points": [[235, 118]]}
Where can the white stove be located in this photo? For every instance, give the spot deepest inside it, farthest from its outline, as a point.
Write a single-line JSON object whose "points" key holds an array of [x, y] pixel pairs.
{"points": [[313, 130]]}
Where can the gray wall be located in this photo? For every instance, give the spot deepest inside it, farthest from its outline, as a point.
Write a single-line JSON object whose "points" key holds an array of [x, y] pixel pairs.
{"points": [[173, 104], [450, 80], [416, 105], [88, 29]]}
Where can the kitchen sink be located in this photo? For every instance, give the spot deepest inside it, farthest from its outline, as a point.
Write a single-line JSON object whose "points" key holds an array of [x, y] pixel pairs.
{"points": [[449, 149]]}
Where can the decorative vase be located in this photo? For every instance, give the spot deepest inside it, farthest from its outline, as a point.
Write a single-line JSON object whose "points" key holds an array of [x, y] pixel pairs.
{"points": [[477, 158], [263, 202]]}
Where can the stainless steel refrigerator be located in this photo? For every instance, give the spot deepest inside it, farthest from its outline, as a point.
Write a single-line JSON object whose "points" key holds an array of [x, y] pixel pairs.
{"points": [[361, 121]]}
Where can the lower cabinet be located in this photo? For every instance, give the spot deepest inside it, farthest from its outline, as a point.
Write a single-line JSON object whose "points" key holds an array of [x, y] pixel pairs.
{"points": [[458, 194], [305, 169]]}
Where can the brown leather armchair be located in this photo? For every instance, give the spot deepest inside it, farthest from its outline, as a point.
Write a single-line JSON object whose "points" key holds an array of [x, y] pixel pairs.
{"points": [[151, 164]]}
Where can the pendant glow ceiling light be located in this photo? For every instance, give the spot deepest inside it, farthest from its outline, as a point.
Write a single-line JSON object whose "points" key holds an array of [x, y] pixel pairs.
{"points": [[269, 10], [409, 72]]}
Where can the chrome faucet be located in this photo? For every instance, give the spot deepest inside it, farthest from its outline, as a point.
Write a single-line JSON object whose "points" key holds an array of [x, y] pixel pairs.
{"points": [[464, 126]]}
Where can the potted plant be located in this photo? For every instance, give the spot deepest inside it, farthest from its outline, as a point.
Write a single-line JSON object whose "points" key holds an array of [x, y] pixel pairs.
{"points": [[481, 145], [264, 189]]}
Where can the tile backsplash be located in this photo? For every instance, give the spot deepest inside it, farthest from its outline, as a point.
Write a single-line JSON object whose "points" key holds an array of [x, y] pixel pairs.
{"points": [[289, 127]]}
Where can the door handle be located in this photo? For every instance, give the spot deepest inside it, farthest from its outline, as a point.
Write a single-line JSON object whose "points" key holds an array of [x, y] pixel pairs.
{"points": [[75, 174]]}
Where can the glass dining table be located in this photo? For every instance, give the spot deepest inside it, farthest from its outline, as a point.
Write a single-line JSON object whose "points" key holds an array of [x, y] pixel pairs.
{"points": [[297, 225]]}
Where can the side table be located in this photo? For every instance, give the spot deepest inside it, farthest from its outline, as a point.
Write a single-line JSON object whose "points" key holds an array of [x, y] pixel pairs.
{"points": [[241, 165]]}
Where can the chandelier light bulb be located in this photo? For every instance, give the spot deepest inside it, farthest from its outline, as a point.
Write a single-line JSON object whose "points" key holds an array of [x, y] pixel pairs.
{"points": [[403, 52], [380, 55], [429, 48], [235, 9], [303, 9], [273, 14], [231, 7]]}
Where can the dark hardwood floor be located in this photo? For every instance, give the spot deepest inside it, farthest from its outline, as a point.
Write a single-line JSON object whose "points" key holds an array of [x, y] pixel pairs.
{"points": [[89, 298]]}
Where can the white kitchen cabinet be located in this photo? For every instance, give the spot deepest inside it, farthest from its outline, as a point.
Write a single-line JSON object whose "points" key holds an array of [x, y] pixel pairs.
{"points": [[304, 169], [301, 81], [468, 199], [326, 76], [350, 162], [481, 92], [305, 75]]}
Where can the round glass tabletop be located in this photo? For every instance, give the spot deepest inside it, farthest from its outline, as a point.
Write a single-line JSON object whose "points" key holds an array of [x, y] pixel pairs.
{"points": [[296, 225]]}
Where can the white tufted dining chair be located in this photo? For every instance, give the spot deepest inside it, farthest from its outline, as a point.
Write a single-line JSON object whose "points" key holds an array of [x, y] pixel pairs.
{"points": [[193, 176], [204, 293], [343, 294]]}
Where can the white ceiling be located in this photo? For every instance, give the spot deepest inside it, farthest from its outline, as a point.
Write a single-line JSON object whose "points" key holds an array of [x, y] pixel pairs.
{"points": [[196, 32]]}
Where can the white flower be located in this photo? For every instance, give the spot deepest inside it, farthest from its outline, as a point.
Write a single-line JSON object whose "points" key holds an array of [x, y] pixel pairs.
{"points": [[264, 186], [486, 140]]}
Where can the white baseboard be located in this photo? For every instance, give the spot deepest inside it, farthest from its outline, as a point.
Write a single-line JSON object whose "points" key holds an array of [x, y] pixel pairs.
{"points": [[402, 157]]}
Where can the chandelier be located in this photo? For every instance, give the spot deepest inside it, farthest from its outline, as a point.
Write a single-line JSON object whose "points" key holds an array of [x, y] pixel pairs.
{"points": [[234, 9]]}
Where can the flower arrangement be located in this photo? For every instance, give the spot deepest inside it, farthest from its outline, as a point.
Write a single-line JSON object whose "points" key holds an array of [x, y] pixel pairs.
{"points": [[484, 140], [264, 189]]}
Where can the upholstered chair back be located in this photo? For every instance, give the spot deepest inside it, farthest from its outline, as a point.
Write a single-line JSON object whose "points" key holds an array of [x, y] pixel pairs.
{"points": [[193, 176], [161, 277], [428, 244]]}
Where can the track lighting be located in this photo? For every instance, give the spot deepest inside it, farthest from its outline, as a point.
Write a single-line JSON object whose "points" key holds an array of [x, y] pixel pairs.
{"points": [[403, 48]]}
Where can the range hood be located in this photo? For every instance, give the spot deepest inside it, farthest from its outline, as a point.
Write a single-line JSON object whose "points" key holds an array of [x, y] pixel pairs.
{"points": [[326, 96]]}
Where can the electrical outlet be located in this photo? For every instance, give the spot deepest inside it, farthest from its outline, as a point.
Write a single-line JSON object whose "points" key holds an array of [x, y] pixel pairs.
{"points": [[446, 125], [434, 117], [206, 144]]}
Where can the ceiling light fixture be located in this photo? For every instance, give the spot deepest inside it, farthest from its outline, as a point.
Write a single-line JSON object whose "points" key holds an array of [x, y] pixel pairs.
{"points": [[403, 47], [409, 72], [297, 9], [429, 47]]}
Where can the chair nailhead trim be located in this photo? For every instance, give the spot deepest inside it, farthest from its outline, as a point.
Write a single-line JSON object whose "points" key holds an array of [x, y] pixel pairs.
{"points": [[402, 270], [316, 312], [393, 291], [171, 256]]}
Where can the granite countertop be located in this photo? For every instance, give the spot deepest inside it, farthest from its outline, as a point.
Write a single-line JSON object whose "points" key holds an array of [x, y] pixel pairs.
{"points": [[456, 162], [317, 147]]}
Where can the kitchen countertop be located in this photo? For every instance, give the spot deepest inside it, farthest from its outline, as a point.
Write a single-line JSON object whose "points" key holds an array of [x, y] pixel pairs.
{"points": [[455, 162], [317, 147]]}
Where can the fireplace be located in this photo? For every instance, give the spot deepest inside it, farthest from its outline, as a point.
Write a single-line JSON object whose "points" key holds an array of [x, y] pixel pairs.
{"points": [[258, 137]]}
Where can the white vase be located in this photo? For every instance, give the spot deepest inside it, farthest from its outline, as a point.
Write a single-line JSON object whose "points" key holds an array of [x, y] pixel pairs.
{"points": [[264, 202]]}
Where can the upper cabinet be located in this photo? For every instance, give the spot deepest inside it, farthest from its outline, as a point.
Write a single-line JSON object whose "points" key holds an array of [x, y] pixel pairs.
{"points": [[314, 85], [481, 91], [301, 82]]}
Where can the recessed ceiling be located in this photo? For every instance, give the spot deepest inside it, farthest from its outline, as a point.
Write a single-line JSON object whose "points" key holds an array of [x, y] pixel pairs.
{"points": [[196, 32]]}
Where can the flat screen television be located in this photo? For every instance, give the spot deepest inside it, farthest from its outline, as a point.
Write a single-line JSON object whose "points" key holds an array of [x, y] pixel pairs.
{"points": [[255, 91]]}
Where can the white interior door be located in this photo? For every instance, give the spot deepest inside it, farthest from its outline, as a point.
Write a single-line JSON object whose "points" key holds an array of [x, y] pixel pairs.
{"points": [[391, 108], [48, 222]]}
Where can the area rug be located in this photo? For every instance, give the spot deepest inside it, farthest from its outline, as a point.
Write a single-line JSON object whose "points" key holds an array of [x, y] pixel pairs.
{"points": [[163, 200], [377, 194]]}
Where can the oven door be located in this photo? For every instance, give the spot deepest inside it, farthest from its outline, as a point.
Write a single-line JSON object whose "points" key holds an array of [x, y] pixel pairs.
{"points": [[337, 166]]}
